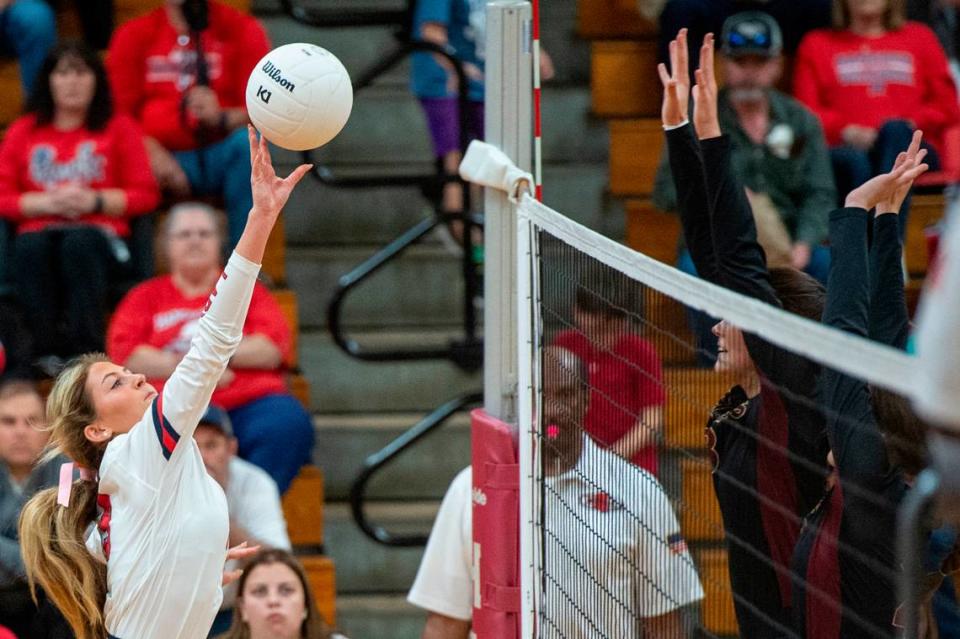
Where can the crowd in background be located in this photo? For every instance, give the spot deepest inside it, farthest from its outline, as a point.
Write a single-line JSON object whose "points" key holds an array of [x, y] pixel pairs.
{"points": [[102, 146]]}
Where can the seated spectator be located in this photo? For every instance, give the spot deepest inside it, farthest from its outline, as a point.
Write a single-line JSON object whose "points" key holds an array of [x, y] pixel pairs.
{"points": [[275, 601], [191, 108], [72, 175], [707, 16], [873, 79], [28, 31], [256, 516], [779, 151], [152, 328], [631, 603], [626, 381], [22, 473]]}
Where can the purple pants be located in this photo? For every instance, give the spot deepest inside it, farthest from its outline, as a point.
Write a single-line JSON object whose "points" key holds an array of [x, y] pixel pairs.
{"points": [[444, 123]]}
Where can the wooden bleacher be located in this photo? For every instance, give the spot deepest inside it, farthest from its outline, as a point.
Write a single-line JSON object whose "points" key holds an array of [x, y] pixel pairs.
{"points": [[303, 510]]}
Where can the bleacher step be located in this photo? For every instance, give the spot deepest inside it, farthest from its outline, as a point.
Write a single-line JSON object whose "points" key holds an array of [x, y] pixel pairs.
{"points": [[387, 298], [364, 566], [345, 440], [340, 383]]}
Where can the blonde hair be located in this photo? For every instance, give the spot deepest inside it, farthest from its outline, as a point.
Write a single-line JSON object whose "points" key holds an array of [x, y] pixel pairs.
{"points": [[893, 19], [313, 626], [52, 536]]}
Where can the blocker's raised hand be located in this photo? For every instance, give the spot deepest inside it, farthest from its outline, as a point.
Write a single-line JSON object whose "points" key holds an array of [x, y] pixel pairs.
{"points": [[676, 83], [705, 118], [884, 191]]}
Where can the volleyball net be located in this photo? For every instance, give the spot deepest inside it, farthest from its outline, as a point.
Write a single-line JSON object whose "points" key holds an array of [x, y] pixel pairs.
{"points": [[618, 385]]}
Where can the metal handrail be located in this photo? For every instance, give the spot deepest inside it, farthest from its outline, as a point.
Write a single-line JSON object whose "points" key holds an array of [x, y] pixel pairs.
{"points": [[466, 353], [375, 462]]}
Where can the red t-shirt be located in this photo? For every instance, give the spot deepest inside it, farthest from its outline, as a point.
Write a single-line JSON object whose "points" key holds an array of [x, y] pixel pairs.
{"points": [[151, 67], [623, 381], [38, 158], [850, 79], [156, 314]]}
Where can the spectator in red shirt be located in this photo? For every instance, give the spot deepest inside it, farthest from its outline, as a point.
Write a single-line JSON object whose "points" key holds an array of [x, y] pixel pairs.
{"points": [[194, 114], [72, 174], [873, 80], [626, 387], [154, 324]]}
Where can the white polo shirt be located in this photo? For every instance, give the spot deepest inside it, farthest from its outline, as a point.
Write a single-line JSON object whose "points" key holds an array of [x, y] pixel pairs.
{"points": [[612, 551]]}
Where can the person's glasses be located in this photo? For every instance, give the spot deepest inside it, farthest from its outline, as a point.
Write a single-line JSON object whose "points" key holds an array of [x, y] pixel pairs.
{"points": [[186, 234]]}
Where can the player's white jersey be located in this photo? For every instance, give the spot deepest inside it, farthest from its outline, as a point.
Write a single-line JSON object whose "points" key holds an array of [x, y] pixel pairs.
{"points": [[164, 522]]}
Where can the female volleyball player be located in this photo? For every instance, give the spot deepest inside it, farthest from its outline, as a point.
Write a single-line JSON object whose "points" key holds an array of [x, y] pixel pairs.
{"points": [[766, 434], [137, 551], [846, 555]]}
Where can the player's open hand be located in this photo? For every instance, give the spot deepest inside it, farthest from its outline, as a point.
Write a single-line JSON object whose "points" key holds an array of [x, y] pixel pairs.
{"points": [[705, 117], [676, 83], [913, 159], [887, 191], [243, 551], [270, 192]]}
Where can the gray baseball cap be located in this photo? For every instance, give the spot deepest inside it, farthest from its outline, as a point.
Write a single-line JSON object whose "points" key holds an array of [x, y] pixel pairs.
{"points": [[751, 33]]}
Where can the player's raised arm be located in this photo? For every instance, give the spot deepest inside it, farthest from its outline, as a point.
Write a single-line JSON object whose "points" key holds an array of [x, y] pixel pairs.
{"points": [[188, 391]]}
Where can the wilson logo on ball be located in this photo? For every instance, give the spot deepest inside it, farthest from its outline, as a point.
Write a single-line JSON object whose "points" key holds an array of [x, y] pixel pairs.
{"points": [[274, 74]]}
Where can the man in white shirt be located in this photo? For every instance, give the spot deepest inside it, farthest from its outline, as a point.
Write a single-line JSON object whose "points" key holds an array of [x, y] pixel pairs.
{"points": [[615, 563], [253, 501]]}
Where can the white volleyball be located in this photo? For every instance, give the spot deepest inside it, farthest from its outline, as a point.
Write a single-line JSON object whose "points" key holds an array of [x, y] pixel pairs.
{"points": [[299, 96]]}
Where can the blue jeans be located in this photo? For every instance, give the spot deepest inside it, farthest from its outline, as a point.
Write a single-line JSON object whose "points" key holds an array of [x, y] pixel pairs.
{"points": [[276, 434], [29, 31], [223, 169], [852, 167]]}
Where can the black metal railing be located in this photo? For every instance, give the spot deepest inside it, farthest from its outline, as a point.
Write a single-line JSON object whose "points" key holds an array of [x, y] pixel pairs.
{"points": [[377, 461]]}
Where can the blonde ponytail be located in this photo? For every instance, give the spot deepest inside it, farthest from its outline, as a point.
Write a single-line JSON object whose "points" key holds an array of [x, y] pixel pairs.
{"points": [[52, 536], [53, 549]]}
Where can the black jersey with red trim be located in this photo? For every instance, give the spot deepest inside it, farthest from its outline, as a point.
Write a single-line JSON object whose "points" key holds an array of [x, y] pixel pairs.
{"points": [[847, 554], [770, 448]]}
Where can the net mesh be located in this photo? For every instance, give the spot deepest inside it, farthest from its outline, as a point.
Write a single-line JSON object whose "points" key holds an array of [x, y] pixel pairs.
{"points": [[628, 535]]}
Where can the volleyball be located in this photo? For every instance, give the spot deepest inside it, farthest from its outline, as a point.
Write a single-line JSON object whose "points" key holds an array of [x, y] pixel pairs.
{"points": [[299, 96]]}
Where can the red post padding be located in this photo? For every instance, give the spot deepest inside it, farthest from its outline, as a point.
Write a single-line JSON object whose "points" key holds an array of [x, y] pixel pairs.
{"points": [[496, 529]]}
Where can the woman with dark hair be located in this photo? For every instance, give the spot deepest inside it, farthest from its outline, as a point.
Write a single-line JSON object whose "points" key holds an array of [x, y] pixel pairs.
{"points": [[72, 174], [275, 601], [872, 80], [765, 433]]}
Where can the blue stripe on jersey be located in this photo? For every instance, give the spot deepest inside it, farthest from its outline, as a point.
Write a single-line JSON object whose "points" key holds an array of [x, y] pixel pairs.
{"points": [[165, 433]]}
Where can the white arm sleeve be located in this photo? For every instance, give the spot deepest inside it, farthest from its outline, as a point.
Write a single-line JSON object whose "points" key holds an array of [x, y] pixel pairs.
{"points": [[187, 392]]}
